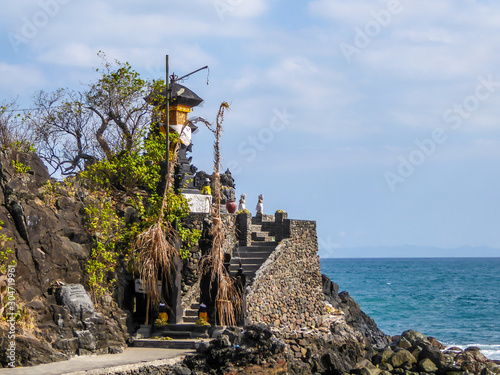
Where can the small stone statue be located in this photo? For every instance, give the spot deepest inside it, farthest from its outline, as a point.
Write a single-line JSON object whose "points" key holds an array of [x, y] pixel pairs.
{"points": [[226, 179], [206, 190], [242, 205], [260, 205]]}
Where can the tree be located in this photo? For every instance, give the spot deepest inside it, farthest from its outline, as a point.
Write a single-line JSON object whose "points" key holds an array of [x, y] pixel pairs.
{"points": [[12, 133], [62, 131], [74, 129]]}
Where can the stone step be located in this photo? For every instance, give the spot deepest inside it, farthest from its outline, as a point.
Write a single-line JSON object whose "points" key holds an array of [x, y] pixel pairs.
{"points": [[255, 250], [263, 219], [267, 227], [168, 344], [247, 268], [190, 319], [195, 306], [260, 234], [262, 238], [253, 254], [178, 335], [264, 246], [255, 244], [190, 312], [250, 258], [181, 331], [245, 261], [258, 240]]}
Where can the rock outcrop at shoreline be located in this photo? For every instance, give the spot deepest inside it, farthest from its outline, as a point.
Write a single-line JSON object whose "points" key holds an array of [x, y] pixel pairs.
{"points": [[258, 349], [352, 344]]}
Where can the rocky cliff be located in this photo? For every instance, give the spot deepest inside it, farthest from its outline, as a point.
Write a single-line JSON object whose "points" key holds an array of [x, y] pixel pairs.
{"points": [[51, 247]]}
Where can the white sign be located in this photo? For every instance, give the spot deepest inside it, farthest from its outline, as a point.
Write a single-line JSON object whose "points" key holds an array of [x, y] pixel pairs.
{"points": [[199, 203]]}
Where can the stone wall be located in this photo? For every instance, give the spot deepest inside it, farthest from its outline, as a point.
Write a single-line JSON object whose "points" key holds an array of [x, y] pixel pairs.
{"points": [[287, 290]]}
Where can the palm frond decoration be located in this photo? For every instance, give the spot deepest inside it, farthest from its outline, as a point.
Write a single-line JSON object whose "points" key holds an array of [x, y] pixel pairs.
{"points": [[155, 247], [228, 300]]}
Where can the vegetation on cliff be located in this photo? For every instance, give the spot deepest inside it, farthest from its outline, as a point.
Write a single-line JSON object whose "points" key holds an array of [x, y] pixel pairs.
{"points": [[104, 139]]}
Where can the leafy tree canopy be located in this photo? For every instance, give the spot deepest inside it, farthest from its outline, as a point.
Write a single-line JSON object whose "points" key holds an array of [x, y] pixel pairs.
{"points": [[74, 129]]}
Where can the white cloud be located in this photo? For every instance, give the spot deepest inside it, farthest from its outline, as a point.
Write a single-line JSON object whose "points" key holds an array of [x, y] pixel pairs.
{"points": [[249, 8], [344, 11], [20, 78], [71, 54]]}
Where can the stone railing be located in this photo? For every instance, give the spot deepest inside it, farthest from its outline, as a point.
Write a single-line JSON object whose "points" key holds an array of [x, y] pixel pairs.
{"points": [[278, 226], [287, 290]]}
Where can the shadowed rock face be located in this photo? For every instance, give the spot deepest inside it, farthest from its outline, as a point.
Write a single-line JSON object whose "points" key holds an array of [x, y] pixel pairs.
{"points": [[51, 246], [354, 316], [49, 239]]}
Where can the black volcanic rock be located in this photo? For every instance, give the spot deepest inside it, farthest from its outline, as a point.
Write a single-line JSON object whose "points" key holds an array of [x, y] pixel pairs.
{"points": [[355, 317], [51, 247]]}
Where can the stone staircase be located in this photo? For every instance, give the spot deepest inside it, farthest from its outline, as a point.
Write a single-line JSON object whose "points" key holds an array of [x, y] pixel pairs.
{"points": [[252, 257], [186, 334], [190, 315], [174, 336]]}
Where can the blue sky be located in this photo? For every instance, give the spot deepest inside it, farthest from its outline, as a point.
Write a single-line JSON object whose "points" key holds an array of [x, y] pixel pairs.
{"points": [[377, 119]]}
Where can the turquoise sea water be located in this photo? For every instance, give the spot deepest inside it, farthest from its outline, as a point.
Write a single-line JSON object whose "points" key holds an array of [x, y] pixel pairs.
{"points": [[456, 300]]}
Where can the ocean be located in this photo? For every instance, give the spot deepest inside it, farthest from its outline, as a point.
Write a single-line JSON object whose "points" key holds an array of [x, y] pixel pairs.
{"points": [[455, 300]]}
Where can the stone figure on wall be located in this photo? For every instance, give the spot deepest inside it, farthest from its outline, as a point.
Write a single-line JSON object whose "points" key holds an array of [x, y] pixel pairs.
{"points": [[242, 204], [260, 204], [226, 179]]}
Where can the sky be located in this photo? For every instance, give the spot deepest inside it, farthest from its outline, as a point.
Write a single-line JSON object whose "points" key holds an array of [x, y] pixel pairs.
{"points": [[377, 119]]}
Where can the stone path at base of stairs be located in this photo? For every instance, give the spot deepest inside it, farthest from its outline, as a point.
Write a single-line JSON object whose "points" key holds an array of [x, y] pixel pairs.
{"points": [[131, 358]]}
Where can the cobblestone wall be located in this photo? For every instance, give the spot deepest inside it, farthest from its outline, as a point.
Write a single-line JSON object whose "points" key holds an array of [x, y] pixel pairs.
{"points": [[287, 290]]}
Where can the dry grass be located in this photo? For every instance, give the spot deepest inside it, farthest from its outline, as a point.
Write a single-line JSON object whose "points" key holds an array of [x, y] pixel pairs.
{"points": [[155, 257]]}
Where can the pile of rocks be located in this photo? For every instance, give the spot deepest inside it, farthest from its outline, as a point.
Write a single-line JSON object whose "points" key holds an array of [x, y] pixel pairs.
{"points": [[414, 353], [236, 350], [259, 350]]}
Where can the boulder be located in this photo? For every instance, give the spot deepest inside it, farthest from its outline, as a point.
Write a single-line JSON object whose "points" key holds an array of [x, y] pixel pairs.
{"points": [[402, 357], [383, 356], [471, 359], [365, 367], [76, 299], [426, 365], [433, 354], [409, 339]]}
